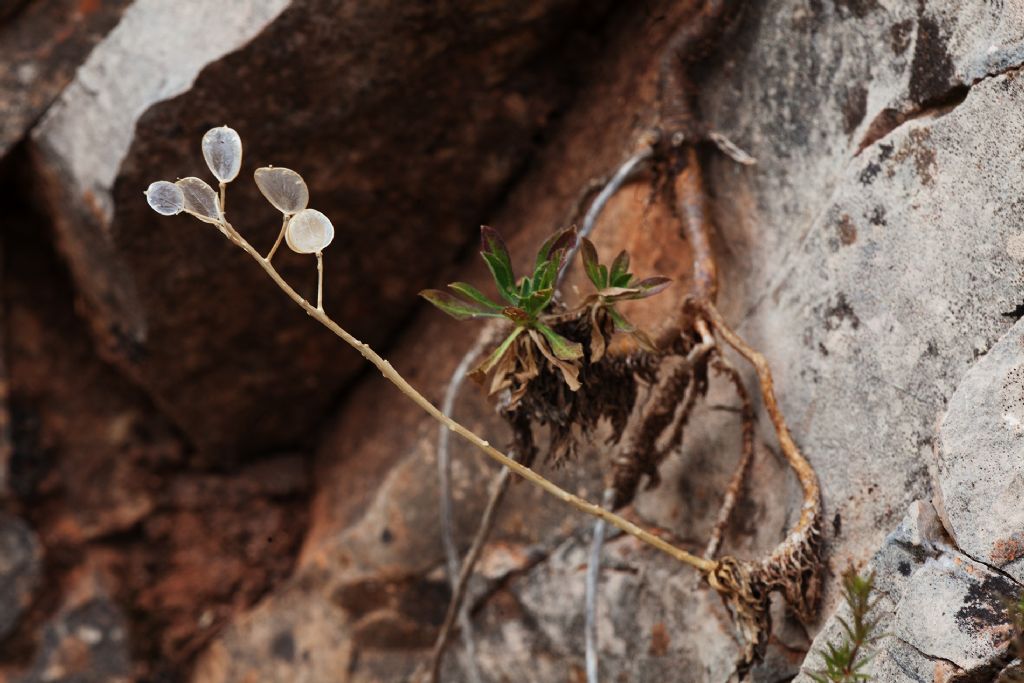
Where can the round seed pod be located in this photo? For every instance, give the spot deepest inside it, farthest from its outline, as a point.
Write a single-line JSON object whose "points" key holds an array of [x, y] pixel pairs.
{"points": [[200, 200], [165, 198], [284, 188], [222, 149], [309, 232]]}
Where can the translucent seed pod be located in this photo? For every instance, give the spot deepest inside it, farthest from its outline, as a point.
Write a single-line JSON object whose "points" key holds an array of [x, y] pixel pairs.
{"points": [[309, 232], [222, 149], [284, 188], [200, 200], [165, 198]]}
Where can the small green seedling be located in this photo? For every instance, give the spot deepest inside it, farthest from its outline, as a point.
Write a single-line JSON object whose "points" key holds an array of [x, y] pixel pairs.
{"points": [[845, 662], [613, 285], [526, 301]]}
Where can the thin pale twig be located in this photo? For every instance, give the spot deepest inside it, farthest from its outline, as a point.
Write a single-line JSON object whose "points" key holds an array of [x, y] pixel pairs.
{"points": [[444, 477], [593, 576], [280, 237], [392, 375], [623, 175]]}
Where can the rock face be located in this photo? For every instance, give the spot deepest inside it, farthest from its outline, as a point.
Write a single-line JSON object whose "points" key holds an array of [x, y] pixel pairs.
{"points": [[943, 614], [20, 570], [372, 104], [870, 254], [873, 254], [42, 45], [982, 441]]}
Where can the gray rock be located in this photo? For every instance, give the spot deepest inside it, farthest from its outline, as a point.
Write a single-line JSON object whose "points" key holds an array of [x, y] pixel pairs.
{"points": [[20, 570], [955, 609], [940, 610], [981, 457], [85, 642]]}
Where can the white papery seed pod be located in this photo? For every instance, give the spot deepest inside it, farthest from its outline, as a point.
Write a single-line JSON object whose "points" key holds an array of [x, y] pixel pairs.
{"points": [[284, 188], [165, 198], [200, 200], [309, 232], [222, 149]]}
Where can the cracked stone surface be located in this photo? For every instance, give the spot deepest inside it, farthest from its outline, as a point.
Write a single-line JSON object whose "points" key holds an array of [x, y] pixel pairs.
{"points": [[980, 468], [943, 614]]}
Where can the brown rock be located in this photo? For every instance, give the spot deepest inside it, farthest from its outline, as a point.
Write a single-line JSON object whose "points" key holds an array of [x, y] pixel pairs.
{"points": [[20, 570], [42, 44], [407, 122]]}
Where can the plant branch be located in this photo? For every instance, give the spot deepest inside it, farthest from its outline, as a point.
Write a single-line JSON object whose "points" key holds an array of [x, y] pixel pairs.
{"points": [[691, 199], [444, 477], [280, 236], [590, 604], [746, 455], [416, 397], [623, 175], [804, 472]]}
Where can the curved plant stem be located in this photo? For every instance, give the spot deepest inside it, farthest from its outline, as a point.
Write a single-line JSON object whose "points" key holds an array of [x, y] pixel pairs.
{"points": [[499, 486], [693, 210], [419, 399], [593, 577], [444, 477], [320, 281], [280, 236], [623, 175], [746, 456], [805, 474]]}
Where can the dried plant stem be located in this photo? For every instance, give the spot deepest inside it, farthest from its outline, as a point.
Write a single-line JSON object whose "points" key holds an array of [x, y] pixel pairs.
{"points": [[320, 281], [623, 175], [746, 456], [223, 197], [805, 474], [590, 599], [280, 237], [691, 199], [499, 486], [444, 477], [416, 397]]}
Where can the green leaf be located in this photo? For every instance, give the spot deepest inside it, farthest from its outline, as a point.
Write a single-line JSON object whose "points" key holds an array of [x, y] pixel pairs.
{"points": [[502, 275], [591, 265], [472, 293], [498, 353], [560, 346], [638, 290], [495, 253], [524, 289], [620, 268], [492, 243], [620, 280], [538, 301], [457, 308], [561, 242], [545, 276], [621, 324]]}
